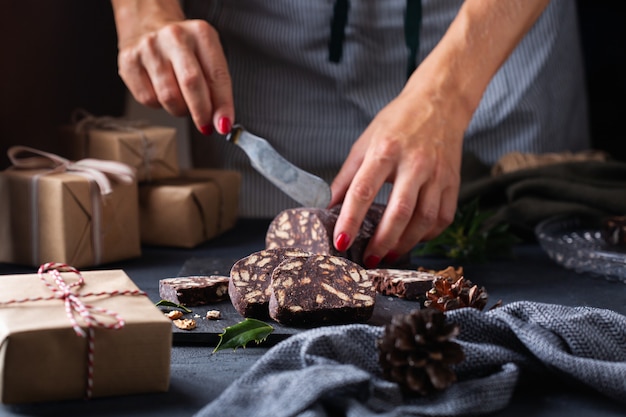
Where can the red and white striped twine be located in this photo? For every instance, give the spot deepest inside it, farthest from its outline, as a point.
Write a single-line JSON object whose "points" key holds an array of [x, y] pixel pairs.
{"points": [[74, 305]]}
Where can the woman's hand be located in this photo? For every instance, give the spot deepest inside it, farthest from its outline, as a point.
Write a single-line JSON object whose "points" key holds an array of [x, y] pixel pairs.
{"points": [[415, 142], [417, 147], [173, 63]]}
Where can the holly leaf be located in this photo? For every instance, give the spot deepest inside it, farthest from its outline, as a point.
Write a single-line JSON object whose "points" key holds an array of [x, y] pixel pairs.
{"points": [[238, 335], [166, 303]]}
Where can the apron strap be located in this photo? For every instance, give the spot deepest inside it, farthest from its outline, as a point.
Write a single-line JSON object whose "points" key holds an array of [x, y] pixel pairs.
{"points": [[412, 26], [338, 30]]}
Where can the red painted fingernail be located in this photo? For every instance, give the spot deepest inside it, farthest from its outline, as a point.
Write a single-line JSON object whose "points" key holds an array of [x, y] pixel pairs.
{"points": [[224, 125], [372, 261], [206, 130], [392, 257], [342, 242]]}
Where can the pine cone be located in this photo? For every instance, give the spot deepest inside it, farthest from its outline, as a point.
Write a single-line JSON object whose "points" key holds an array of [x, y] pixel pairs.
{"points": [[449, 294], [415, 351]]}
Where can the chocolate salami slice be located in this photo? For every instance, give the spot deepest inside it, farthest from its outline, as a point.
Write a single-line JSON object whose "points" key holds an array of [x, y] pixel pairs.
{"points": [[194, 290], [402, 283], [250, 280], [311, 229], [320, 290]]}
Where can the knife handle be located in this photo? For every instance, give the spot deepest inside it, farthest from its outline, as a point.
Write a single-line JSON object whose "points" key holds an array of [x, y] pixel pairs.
{"points": [[234, 134]]}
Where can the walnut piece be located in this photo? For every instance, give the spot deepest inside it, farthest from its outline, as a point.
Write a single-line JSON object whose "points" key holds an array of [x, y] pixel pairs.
{"points": [[213, 315], [185, 324], [174, 314]]}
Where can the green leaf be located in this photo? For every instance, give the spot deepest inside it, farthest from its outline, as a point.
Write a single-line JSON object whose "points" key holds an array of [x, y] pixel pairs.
{"points": [[171, 304], [472, 236], [240, 334]]}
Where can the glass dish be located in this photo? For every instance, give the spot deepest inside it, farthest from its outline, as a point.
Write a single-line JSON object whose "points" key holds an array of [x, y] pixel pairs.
{"points": [[577, 243]]}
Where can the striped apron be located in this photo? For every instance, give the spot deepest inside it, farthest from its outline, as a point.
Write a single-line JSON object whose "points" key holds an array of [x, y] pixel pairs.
{"points": [[310, 75]]}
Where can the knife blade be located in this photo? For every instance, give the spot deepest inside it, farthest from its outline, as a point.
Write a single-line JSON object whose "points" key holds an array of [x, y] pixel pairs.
{"points": [[305, 188]]}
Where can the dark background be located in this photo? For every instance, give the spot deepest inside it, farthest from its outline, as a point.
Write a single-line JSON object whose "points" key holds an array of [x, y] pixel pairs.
{"points": [[56, 56], [62, 55], [603, 37]]}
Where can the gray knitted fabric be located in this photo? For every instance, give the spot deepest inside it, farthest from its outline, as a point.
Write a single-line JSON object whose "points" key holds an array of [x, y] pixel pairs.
{"points": [[334, 370]]}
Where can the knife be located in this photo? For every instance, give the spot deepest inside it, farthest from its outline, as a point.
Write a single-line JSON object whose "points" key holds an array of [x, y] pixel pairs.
{"points": [[304, 187]]}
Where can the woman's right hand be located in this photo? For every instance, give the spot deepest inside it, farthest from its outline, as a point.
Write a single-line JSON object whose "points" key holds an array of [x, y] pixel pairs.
{"points": [[172, 63]]}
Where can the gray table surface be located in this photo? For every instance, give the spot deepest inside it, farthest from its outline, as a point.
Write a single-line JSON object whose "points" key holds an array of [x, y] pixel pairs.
{"points": [[198, 377]]}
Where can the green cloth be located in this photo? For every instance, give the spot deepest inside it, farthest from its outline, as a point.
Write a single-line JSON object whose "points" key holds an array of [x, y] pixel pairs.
{"points": [[526, 197]]}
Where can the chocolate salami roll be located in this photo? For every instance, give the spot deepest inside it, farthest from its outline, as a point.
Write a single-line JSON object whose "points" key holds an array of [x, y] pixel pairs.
{"points": [[319, 290], [614, 230], [250, 280], [311, 229], [402, 283], [194, 290]]}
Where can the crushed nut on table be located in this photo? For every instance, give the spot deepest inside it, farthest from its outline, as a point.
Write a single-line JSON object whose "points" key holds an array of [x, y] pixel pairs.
{"points": [[213, 315], [174, 314], [185, 324]]}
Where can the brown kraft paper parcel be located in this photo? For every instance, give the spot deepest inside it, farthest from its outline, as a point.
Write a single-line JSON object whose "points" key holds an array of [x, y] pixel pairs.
{"points": [[151, 150], [56, 213], [229, 183], [189, 210], [42, 358]]}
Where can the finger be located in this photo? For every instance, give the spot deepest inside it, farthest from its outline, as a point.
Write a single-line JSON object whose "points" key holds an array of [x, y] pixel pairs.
{"points": [[161, 73], [370, 177], [168, 92], [420, 228], [398, 214], [197, 79], [215, 69], [447, 210], [136, 78], [194, 89], [344, 177]]}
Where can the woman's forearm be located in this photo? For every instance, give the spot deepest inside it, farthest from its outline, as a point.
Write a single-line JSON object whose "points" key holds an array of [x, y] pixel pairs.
{"points": [[477, 43], [136, 17]]}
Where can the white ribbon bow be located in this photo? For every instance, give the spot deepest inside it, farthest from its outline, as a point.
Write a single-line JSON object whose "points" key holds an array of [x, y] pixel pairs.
{"points": [[97, 170]]}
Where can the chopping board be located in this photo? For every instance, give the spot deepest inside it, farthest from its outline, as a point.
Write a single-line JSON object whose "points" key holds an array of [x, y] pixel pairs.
{"points": [[207, 331]]}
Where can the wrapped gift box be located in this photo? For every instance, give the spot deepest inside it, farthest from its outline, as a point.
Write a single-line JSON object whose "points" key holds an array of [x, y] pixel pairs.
{"points": [[189, 210], [151, 150], [228, 183], [43, 358], [177, 212], [62, 216]]}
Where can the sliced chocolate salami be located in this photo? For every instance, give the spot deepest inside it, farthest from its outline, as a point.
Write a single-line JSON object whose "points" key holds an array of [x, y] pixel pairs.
{"points": [[194, 290], [319, 290], [366, 231], [402, 283], [311, 229], [250, 280]]}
